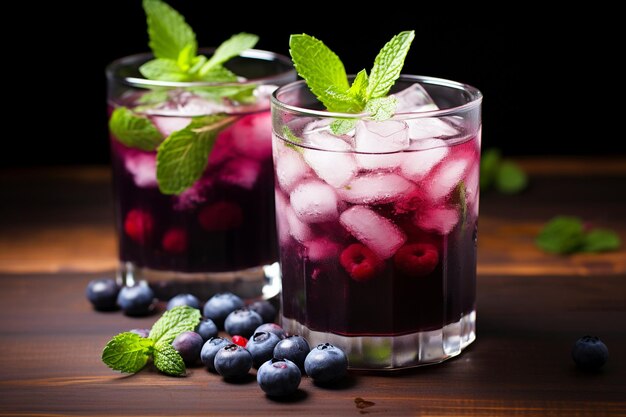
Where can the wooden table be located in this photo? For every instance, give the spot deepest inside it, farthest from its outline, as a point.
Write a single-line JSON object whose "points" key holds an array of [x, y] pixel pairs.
{"points": [[56, 234]]}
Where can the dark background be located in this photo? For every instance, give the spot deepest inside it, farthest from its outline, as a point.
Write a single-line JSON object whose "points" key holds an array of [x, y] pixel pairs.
{"points": [[494, 55]]}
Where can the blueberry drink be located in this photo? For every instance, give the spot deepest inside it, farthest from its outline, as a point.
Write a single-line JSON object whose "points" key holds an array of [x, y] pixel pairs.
{"points": [[190, 134], [376, 191]]}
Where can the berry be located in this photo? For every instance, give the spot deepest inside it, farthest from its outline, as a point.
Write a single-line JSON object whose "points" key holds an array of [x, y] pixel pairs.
{"points": [[417, 259], [175, 240], [210, 349], [137, 300], [265, 309], [139, 225], [279, 377], [360, 262], [239, 340], [220, 216], [261, 347], [207, 329], [183, 300], [272, 328], [295, 348], [243, 322], [326, 363], [590, 353], [103, 294], [220, 306], [188, 345], [232, 361], [141, 332]]}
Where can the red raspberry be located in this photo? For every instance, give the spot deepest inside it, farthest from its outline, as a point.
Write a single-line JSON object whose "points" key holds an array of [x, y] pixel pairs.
{"points": [[139, 225], [175, 240], [417, 259], [360, 262], [239, 340], [220, 216]]}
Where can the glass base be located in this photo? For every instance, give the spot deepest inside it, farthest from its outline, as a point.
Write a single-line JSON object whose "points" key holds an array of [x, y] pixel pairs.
{"points": [[252, 283], [395, 352]]}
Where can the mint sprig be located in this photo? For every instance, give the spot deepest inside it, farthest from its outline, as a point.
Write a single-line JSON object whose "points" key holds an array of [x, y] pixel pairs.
{"points": [[567, 234], [506, 176], [326, 76], [129, 352], [134, 130]]}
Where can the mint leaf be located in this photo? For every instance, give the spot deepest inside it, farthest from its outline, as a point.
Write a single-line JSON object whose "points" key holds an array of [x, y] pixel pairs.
{"points": [[168, 360], [229, 49], [381, 108], [163, 70], [183, 156], [173, 322], [358, 89], [510, 178], [127, 352], [563, 235], [601, 240], [134, 130], [218, 75], [388, 64], [321, 68], [168, 31], [489, 164], [342, 126]]}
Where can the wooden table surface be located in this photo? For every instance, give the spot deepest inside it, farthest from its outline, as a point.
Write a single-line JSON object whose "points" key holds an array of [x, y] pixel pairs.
{"points": [[56, 233]]}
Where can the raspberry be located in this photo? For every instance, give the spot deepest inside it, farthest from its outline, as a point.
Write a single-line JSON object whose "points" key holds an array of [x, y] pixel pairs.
{"points": [[139, 225], [416, 259], [220, 216], [360, 262], [175, 240], [240, 340]]}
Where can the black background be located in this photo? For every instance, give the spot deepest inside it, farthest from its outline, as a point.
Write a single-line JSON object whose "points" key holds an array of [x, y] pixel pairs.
{"points": [[494, 55]]}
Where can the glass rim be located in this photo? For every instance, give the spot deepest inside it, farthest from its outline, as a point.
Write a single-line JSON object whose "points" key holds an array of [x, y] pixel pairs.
{"points": [[476, 100], [258, 54]]}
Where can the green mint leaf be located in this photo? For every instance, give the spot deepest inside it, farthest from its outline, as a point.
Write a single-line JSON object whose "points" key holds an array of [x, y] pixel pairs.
{"points": [[381, 108], [168, 31], [186, 57], [168, 360], [510, 179], [134, 130], [388, 64], [229, 49], [163, 70], [218, 75], [153, 97], [321, 68], [173, 322], [489, 164], [358, 89], [127, 352], [342, 126], [340, 101], [563, 235], [601, 240]]}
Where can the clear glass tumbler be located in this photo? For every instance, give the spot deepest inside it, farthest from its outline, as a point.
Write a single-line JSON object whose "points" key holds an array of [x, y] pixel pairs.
{"points": [[377, 227], [219, 234]]}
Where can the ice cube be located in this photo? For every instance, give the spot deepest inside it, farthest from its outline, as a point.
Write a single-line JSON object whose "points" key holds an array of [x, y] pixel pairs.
{"points": [[446, 178], [376, 188], [321, 249], [186, 103], [373, 230], [142, 166], [282, 225], [314, 202], [252, 135], [429, 127], [222, 149], [438, 219], [335, 164], [297, 229], [379, 138], [416, 164], [414, 99], [240, 172], [472, 187], [290, 169], [193, 196], [168, 124]]}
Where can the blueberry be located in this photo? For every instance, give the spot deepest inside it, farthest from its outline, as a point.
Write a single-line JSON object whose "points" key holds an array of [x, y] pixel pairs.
{"points": [[137, 300], [188, 345], [207, 329], [141, 332], [220, 306], [272, 328], [232, 361], [265, 309], [261, 347], [295, 348], [326, 363], [590, 353], [183, 300], [279, 377], [242, 322], [210, 349], [103, 294]]}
